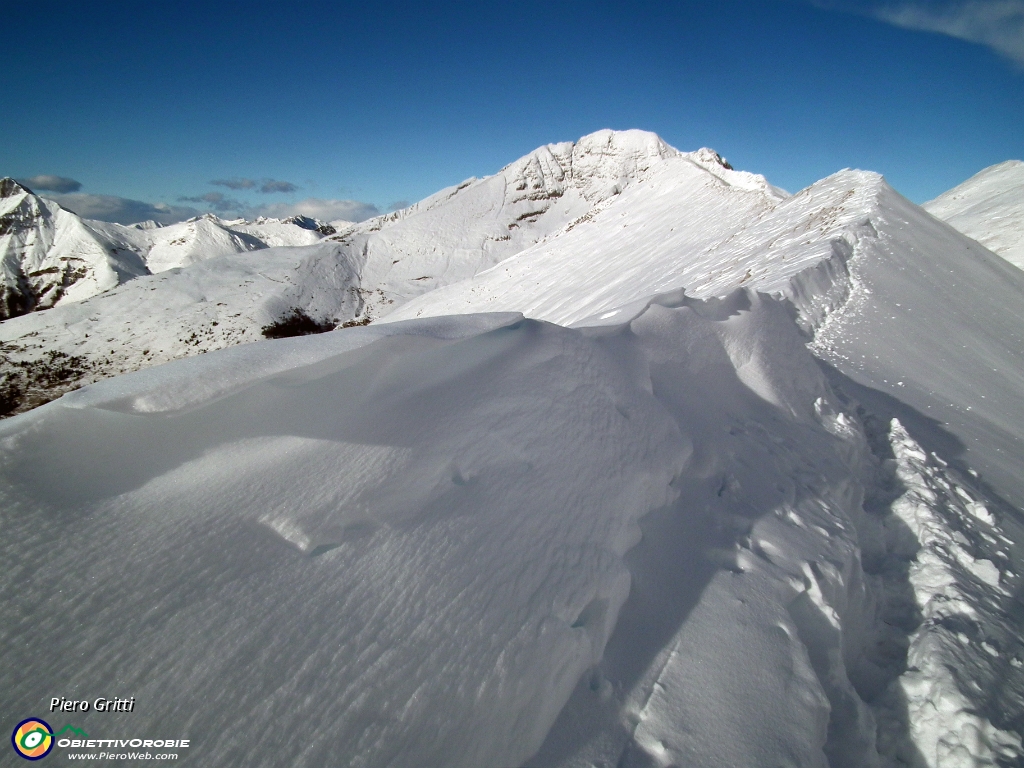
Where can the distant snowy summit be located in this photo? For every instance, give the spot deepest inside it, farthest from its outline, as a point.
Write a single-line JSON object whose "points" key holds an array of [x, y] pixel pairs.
{"points": [[989, 207], [49, 256]]}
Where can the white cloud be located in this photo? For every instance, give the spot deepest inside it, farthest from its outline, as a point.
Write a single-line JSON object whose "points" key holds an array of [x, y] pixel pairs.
{"points": [[999, 24], [121, 209], [325, 210]]}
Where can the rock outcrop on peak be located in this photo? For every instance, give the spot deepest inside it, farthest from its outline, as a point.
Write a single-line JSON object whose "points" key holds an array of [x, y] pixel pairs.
{"points": [[9, 188], [49, 255]]}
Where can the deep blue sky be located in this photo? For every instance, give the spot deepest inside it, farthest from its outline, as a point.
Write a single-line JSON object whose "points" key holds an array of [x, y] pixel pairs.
{"points": [[391, 101]]}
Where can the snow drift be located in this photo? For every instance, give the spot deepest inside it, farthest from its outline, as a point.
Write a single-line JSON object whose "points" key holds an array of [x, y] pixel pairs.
{"points": [[434, 603], [405, 544]]}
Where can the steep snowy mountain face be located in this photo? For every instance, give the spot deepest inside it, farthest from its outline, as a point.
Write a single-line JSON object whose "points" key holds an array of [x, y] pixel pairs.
{"points": [[989, 207], [49, 255], [543, 197], [643, 462], [363, 272]]}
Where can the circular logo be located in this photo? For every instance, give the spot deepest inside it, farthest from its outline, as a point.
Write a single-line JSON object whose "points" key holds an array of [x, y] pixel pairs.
{"points": [[33, 738]]}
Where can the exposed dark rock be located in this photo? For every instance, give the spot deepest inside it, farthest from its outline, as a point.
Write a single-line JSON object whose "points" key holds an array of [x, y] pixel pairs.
{"points": [[296, 323]]}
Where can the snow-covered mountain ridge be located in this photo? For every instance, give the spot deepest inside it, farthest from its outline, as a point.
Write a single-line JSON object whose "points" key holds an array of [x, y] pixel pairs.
{"points": [[363, 272], [989, 207], [49, 256], [743, 488]]}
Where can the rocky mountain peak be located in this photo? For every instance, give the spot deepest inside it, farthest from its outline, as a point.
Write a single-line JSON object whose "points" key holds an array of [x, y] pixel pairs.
{"points": [[10, 188]]}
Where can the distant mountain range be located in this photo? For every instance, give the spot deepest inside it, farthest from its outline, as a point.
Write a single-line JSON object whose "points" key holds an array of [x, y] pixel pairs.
{"points": [[50, 256]]}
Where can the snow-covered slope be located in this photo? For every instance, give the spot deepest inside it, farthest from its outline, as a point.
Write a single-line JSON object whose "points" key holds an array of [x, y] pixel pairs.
{"points": [[989, 207], [296, 230], [542, 197], [49, 255], [692, 230], [364, 271], [179, 245], [937, 322], [757, 500], [802, 249], [912, 318], [206, 237], [328, 622], [215, 303], [405, 544]]}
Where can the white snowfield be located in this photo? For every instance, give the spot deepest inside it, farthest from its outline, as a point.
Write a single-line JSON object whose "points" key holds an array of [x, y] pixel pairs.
{"points": [[989, 207], [742, 488]]}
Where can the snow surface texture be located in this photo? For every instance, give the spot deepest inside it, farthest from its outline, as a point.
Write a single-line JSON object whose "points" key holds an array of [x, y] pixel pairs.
{"points": [[989, 207], [437, 601], [434, 604], [772, 520]]}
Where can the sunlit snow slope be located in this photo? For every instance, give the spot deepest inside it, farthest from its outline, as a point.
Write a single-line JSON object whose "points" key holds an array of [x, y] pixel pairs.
{"points": [[49, 255], [989, 207], [889, 294], [754, 500]]}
